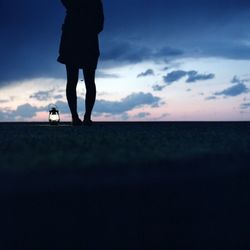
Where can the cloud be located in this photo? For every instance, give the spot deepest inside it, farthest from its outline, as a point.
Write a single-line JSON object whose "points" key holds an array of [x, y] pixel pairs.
{"points": [[192, 76], [174, 76], [209, 98], [135, 100], [245, 105], [24, 111], [148, 72], [42, 95], [158, 87], [47, 95], [168, 52], [142, 115], [126, 52], [58, 97], [186, 27], [63, 106], [236, 80], [125, 116], [235, 90], [165, 68], [130, 52]]}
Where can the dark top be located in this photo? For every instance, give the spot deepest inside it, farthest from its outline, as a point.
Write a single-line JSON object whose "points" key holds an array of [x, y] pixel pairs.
{"points": [[79, 42]]}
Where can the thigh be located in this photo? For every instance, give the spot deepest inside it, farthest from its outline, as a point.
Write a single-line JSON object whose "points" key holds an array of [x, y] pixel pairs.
{"points": [[72, 74]]}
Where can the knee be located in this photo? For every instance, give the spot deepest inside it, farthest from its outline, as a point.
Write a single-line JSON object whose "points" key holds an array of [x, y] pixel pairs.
{"points": [[72, 83], [90, 85]]}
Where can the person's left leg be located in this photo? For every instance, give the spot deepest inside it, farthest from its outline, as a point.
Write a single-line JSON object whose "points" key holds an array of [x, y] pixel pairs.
{"points": [[89, 77], [72, 80]]}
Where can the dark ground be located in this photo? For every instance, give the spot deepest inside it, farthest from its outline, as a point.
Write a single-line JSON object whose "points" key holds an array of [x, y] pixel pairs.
{"points": [[125, 186]]}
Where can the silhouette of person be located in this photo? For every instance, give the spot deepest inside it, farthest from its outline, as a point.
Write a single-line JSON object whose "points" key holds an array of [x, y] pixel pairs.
{"points": [[79, 49]]}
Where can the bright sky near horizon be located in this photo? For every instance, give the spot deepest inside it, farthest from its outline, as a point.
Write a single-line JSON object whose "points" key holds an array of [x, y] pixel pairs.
{"points": [[160, 60]]}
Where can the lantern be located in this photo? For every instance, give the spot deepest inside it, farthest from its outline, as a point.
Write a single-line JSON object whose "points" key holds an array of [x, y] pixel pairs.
{"points": [[54, 117]]}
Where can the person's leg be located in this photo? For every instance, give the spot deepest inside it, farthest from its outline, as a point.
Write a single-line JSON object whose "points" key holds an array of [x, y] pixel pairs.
{"points": [[89, 77], [72, 80]]}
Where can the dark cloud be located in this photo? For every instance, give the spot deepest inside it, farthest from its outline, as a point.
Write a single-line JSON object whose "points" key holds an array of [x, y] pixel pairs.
{"points": [[168, 52], [121, 52], [192, 76], [231, 49], [128, 52], [135, 100], [235, 90], [148, 72], [174, 76], [135, 30]]}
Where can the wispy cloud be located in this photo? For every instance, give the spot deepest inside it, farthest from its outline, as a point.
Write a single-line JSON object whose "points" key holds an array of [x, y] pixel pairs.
{"points": [[158, 87], [235, 90], [142, 115], [209, 98], [245, 105], [43, 95], [192, 76], [101, 74], [148, 72]]}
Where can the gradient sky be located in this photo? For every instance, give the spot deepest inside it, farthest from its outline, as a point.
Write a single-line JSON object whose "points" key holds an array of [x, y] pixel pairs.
{"points": [[160, 60]]}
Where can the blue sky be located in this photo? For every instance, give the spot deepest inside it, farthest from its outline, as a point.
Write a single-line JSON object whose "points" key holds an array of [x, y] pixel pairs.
{"points": [[160, 60]]}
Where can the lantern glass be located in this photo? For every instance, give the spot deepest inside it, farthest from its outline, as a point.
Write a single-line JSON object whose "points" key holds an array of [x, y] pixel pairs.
{"points": [[54, 117]]}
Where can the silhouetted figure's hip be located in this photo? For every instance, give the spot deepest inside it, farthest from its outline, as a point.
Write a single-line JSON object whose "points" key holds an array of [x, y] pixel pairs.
{"points": [[79, 47]]}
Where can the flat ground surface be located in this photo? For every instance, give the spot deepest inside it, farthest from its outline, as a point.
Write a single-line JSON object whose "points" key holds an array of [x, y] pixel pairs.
{"points": [[125, 186]]}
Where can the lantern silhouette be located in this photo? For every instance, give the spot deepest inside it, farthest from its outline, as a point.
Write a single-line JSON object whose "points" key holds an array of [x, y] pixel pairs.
{"points": [[54, 117]]}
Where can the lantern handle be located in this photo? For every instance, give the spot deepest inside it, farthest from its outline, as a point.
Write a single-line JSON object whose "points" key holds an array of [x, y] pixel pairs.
{"points": [[51, 105]]}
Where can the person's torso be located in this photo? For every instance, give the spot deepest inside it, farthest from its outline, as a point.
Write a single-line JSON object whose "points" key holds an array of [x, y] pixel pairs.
{"points": [[82, 15]]}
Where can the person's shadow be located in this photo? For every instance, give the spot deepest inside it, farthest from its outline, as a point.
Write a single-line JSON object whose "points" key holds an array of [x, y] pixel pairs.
{"points": [[79, 49]]}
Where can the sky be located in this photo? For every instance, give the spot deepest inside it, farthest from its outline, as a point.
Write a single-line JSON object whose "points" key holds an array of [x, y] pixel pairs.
{"points": [[161, 60]]}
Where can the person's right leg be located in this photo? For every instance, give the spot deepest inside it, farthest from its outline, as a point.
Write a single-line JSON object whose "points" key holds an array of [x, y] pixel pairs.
{"points": [[89, 77], [72, 80]]}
